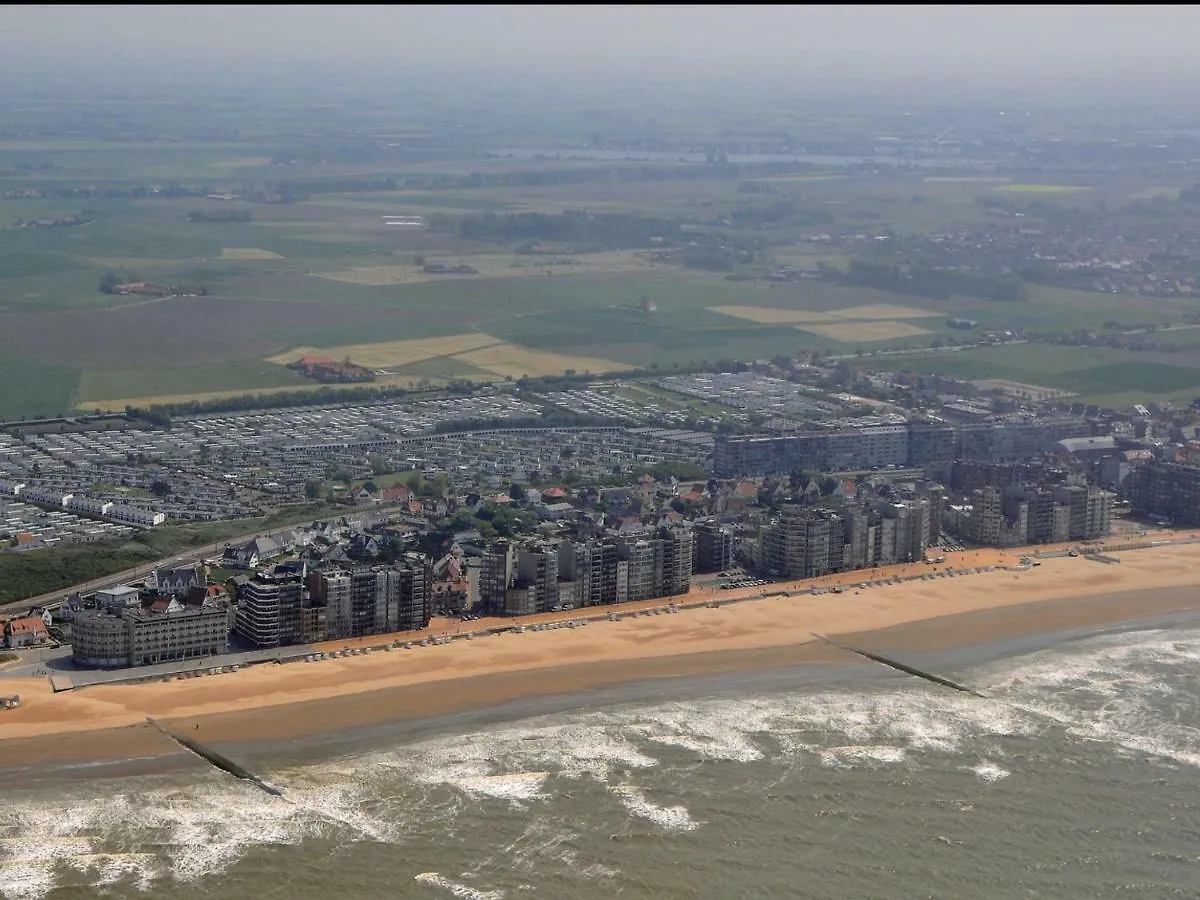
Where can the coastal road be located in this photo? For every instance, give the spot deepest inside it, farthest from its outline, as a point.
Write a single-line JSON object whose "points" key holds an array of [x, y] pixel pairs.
{"points": [[96, 584], [186, 557]]}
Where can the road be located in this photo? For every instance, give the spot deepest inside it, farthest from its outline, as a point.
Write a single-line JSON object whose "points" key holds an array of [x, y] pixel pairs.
{"points": [[87, 587], [187, 557]]}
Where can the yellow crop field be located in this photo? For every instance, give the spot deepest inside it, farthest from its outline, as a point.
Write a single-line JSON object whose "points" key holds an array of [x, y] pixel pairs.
{"points": [[511, 360], [883, 311], [856, 332], [765, 315], [392, 353], [248, 253]]}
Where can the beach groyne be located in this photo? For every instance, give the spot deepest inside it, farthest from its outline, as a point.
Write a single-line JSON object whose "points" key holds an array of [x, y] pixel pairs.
{"points": [[215, 759], [901, 667]]}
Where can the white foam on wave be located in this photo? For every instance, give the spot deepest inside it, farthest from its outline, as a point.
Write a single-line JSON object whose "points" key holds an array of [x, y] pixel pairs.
{"points": [[204, 829], [711, 731], [669, 818], [197, 831], [989, 771], [37, 838], [517, 787], [575, 748], [847, 757], [463, 891], [1113, 689]]}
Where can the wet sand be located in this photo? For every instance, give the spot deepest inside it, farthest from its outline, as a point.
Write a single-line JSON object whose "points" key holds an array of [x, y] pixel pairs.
{"points": [[299, 701]]}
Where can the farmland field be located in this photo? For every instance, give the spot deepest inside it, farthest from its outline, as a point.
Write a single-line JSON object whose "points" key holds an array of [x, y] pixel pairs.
{"points": [[98, 385], [510, 360], [35, 389], [393, 353], [319, 272], [870, 330], [1094, 374], [493, 266], [1041, 188]]}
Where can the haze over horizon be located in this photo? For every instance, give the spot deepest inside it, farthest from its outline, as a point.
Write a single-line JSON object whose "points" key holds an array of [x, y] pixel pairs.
{"points": [[825, 47]]}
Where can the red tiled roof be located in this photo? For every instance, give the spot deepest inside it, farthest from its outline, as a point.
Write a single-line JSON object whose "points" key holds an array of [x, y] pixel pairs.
{"points": [[26, 625]]}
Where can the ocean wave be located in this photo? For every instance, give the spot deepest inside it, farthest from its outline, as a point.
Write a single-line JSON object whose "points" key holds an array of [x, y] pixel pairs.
{"points": [[194, 832], [456, 889], [669, 818], [1133, 691], [989, 771], [844, 757]]}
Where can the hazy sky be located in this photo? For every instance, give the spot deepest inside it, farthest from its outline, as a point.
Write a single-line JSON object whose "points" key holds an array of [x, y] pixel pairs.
{"points": [[835, 42]]}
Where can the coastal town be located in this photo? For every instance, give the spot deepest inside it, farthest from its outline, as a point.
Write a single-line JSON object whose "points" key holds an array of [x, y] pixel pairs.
{"points": [[487, 506]]}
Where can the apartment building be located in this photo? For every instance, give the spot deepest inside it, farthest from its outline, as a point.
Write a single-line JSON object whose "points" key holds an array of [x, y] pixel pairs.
{"points": [[592, 568], [807, 542], [880, 446], [804, 542], [1017, 514], [269, 609], [537, 568], [712, 546], [677, 554], [1166, 490], [165, 630], [370, 599]]}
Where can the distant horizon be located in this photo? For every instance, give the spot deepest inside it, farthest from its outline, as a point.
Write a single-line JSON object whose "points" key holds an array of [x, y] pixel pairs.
{"points": [[1083, 53]]}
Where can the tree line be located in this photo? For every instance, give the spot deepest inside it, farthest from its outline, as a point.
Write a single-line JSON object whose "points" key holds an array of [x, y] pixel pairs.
{"points": [[611, 231], [936, 284]]}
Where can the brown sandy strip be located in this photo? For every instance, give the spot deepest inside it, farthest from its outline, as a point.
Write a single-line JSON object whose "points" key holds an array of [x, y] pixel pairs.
{"points": [[292, 701]]}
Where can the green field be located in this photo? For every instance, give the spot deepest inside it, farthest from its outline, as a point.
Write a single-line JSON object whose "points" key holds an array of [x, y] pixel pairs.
{"points": [[115, 384], [63, 341], [31, 389], [1095, 374]]}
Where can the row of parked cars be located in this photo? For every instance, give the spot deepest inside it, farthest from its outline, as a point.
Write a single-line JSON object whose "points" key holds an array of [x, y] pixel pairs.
{"points": [[745, 583]]}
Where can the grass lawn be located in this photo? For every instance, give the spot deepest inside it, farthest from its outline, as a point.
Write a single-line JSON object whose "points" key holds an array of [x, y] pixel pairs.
{"points": [[35, 389]]}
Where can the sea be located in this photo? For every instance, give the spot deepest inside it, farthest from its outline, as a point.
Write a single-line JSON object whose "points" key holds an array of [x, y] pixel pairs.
{"points": [[1075, 775]]}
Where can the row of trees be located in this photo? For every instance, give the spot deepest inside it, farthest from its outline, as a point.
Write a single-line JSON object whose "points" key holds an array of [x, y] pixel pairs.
{"points": [[936, 284], [219, 215], [603, 230]]}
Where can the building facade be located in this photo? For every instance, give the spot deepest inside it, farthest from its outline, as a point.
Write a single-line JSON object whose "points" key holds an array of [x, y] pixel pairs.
{"points": [[163, 631]]}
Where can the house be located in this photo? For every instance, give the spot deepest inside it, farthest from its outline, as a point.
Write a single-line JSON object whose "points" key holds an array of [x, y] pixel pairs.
{"points": [[250, 555], [451, 596], [199, 595], [846, 490], [555, 510], [27, 631], [176, 582], [397, 493], [362, 497]]}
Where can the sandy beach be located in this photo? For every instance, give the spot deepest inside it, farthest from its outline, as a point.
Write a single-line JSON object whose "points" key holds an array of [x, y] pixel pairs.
{"points": [[286, 702]]}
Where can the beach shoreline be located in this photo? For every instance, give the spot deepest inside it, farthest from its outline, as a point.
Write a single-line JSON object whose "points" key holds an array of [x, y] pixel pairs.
{"points": [[321, 702]]}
